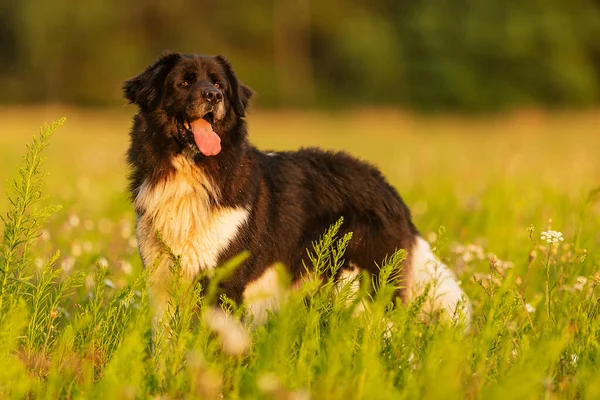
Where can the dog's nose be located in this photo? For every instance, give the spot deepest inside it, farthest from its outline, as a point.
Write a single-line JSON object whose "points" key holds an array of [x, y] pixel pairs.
{"points": [[212, 95]]}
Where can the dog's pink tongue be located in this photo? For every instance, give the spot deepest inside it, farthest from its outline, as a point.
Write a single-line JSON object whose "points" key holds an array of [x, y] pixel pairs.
{"points": [[206, 139]]}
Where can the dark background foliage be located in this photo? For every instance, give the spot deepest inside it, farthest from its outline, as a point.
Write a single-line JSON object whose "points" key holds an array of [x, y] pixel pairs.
{"points": [[424, 54]]}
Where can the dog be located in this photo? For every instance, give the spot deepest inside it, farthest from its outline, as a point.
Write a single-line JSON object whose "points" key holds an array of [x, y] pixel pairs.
{"points": [[196, 179]]}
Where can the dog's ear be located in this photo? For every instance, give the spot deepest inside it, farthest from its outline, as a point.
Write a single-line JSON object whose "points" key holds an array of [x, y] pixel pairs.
{"points": [[240, 94], [145, 88]]}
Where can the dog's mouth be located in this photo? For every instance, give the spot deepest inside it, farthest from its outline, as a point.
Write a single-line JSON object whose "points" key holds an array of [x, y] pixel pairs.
{"points": [[205, 138]]}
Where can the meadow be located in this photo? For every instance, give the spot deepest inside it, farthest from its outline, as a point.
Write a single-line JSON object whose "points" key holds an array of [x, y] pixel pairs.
{"points": [[482, 190]]}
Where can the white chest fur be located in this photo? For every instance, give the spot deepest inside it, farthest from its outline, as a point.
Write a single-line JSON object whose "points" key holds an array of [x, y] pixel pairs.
{"points": [[179, 208]]}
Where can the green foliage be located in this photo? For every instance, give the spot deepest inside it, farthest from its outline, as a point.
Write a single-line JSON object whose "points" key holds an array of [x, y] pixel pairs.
{"points": [[62, 336], [46, 296], [23, 220], [433, 54]]}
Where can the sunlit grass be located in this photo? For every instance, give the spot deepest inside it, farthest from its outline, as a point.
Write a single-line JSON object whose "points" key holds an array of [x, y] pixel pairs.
{"points": [[481, 189]]}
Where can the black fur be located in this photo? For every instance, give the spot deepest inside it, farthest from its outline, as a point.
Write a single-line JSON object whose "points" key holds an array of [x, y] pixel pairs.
{"points": [[293, 196]]}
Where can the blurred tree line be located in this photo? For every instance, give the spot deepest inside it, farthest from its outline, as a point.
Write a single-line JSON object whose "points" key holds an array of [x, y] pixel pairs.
{"points": [[426, 54]]}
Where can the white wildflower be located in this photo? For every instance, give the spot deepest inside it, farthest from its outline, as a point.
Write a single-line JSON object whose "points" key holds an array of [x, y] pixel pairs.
{"points": [[389, 330], [132, 242], [268, 383], [39, 262], [574, 359], [582, 257], [468, 253], [302, 394], [477, 251], [126, 267], [432, 237], [126, 230], [552, 237], [233, 336], [67, 263], [530, 309], [412, 362], [484, 279], [88, 282], [103, 262], [76, 250], [580, 283], [45, 236], [458, 248], [74, 220]]}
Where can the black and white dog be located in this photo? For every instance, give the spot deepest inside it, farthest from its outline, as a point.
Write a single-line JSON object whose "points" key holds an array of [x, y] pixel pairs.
{"points": [[197, 180]]}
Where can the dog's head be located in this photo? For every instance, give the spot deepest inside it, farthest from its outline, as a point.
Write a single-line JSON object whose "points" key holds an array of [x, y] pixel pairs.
{"points": [[198, 94]]}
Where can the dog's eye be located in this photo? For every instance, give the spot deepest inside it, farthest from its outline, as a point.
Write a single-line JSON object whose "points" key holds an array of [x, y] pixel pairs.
{"points": [[184, 84], [217, 85]]}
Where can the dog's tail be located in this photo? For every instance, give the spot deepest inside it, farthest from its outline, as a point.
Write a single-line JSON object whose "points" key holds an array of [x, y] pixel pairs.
{"points": [[445, 293]]}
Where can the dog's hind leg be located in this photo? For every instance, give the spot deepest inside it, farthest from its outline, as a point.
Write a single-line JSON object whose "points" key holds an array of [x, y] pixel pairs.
{"points": [[445, 292], [264, 294]]}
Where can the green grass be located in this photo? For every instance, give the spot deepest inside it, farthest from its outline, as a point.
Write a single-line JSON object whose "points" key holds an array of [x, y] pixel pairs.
{"points": [[71, 328]]}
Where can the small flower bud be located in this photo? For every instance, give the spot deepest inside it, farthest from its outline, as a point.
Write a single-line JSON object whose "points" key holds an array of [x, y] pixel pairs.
{"points": [[532, 256]]}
